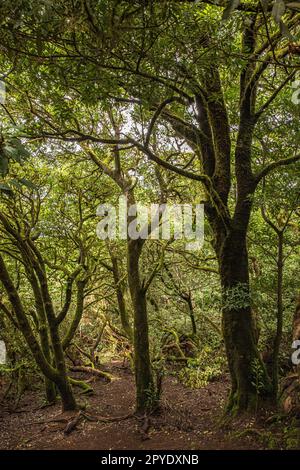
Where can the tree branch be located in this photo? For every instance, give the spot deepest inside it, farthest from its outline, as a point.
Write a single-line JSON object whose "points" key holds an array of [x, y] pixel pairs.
{"points": [[273, 96], [274, 165]]}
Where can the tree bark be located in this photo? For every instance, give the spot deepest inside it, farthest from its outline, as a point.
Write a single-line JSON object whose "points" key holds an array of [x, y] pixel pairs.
{"points": [[192, 316], [57, 374], [66, 393], [238, 325], [120, 298], [146, 398]]}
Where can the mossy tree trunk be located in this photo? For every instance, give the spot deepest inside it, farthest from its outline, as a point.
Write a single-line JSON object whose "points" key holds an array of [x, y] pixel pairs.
{"points": [[49, 351], [41, 320], [239, 328], [146, 398], [57, 374], [62, 382], [212, 142], [120, 298]]}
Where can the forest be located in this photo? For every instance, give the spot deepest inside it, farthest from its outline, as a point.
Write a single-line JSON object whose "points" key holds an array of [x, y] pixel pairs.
{"points": [[149, 225]]}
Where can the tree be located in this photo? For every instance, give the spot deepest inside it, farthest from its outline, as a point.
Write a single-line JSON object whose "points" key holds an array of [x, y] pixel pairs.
{"points": [[174, 81], [25, 240]]}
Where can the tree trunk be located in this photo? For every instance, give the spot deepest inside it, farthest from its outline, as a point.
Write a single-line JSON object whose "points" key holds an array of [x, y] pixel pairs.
{"points": [[77, 315], [50, 390], [63, 384], [66, 393], [120, 298], [192, 315], [238, 327], [279, 325], [146, 399]]}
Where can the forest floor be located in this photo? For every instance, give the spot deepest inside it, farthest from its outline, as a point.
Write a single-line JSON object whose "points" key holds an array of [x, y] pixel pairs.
{"points": [[188, 419]]}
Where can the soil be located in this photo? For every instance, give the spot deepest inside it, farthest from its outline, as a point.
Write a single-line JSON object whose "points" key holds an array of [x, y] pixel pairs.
{"points": [[189, 419]]}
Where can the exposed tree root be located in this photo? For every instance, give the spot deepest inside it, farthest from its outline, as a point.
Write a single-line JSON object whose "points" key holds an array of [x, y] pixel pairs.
{"points": [[145, 424], [90, 370], [108, 419], [86, 389], [71, 426]]}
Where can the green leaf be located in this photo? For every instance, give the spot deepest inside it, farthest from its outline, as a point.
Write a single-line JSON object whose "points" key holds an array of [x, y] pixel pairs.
{"points": [[17, 148]]}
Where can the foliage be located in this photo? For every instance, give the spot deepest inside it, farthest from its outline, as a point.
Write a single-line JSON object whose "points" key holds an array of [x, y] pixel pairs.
{"points": [[207, 367], [177, 102]]}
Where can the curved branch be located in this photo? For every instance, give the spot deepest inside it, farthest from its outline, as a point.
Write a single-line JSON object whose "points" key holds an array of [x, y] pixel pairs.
{"points": [[274, 165], [274, 95], [156, 115], [62, 314]]}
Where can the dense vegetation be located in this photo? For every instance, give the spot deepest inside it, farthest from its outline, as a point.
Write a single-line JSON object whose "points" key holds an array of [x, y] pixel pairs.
{"points": [[171, 102]]}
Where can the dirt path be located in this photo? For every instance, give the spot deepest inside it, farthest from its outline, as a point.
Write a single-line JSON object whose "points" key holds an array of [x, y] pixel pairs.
{"points": [[188, 420]]}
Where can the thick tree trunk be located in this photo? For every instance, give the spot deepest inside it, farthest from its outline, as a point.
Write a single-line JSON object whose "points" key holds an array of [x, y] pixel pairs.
{"points": [[66, 393], [238, 327], [63, 384], [50, 390], [146, 398], [62, 381], [41, 319]]}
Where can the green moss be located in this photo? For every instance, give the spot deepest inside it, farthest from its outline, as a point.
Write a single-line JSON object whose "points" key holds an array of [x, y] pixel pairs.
{"points": [[86, 389]]}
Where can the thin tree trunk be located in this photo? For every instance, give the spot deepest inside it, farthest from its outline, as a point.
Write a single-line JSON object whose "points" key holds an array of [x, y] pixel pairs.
{"points": [[62, 382], [66, 393], [77, 315], [120, 298], [57, 375], [279, 325], [191, 313]]}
